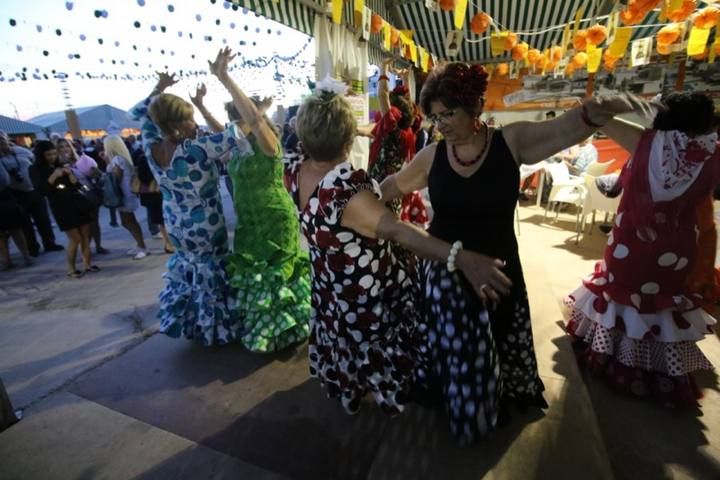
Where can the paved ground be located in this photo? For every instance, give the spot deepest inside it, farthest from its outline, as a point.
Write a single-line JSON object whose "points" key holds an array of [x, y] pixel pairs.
{"points": [[105, 396]]}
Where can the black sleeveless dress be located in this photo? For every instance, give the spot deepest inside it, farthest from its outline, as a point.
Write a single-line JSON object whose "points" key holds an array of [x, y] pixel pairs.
{"points": [[479, 359]]}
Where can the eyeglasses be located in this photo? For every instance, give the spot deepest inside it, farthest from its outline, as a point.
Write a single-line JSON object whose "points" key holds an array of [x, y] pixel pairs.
{"points": [[443, 117]]}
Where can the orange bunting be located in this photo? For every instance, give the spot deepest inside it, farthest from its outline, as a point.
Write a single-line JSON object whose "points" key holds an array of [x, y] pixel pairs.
{"points": [[668, 34], [510, 41], [519, 51], [579, 60], [596, 34], [707, 17], [681, 14], [502, 69], [541, 62], [533, 55], [569, 69], [447, 5], [376, 23], [580, 40], [480, 22], [394, 36]]}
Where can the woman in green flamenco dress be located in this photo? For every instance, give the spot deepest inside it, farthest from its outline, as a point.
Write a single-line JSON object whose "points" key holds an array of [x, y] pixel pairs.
{"points": [[269, 270]]}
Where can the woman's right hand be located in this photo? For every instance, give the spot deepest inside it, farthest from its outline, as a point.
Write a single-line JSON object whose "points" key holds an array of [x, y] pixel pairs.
{"points": [[200, 93], [484, 274]]}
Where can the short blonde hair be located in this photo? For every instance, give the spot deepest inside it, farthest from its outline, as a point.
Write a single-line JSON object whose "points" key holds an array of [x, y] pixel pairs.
{"points": [[115, 147], [167, 109], [326, 127]]}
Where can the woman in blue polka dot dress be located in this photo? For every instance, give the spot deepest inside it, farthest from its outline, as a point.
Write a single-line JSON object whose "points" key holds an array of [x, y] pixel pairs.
{"points": [[197, 300]]}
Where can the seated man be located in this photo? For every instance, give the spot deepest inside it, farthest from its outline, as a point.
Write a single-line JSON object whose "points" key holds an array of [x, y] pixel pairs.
{"points": [[580, 157]]}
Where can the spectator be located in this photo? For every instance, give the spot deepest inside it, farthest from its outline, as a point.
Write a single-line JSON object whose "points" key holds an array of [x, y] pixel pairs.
{"points": [[12, 220], [121, 166], [580, 157], [17, 161], [87, 172], [72, 212]]}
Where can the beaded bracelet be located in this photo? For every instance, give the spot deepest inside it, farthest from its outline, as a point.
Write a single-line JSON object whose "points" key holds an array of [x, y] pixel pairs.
{"points": [[454, 250]]}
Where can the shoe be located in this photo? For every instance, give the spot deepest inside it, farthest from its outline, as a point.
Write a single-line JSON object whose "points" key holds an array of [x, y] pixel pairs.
{"points": [[168, 251], [102, 251], [141, 254], [523, 197], [92, 269], [54, 248], [133, 251], [113, 224], [75, 274], [6, 266], [29, 262], [157, 235], [35, 253]]}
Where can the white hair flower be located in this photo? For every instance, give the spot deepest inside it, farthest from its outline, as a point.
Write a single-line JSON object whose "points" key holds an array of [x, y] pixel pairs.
{"points": [[332, 86]]}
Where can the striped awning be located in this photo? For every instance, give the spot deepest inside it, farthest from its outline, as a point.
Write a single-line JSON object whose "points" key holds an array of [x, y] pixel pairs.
{"points": [[299, 15]]}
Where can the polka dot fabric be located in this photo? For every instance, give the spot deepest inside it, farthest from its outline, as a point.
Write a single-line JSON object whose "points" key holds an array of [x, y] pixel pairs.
{"points": [[634, 313], [362, 326]]}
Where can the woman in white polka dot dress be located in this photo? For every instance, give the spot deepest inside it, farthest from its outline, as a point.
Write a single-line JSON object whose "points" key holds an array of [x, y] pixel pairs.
{"points": [[635, 321]]}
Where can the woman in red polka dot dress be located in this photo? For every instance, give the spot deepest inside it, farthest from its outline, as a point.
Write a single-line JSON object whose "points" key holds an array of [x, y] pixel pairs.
{"points": [[635, 322]]}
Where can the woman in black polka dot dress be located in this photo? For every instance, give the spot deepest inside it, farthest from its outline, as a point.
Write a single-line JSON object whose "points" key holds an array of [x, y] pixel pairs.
{"points": [[478, 351], [364, 313]]}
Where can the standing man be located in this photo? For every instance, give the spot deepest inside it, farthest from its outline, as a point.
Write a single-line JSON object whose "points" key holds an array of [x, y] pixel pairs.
{"points": [[17, 161]]}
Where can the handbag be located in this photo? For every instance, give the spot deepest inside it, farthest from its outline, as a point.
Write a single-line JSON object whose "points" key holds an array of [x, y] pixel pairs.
{"points": [[136, 186]]}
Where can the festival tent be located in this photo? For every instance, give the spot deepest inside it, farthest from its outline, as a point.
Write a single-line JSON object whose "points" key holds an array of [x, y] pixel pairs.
{"points": [[20, 132], [94, 121]]}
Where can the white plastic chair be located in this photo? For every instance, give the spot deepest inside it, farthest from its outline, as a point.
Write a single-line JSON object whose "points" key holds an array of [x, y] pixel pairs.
{"points": [[595, 201], [566, 189]]}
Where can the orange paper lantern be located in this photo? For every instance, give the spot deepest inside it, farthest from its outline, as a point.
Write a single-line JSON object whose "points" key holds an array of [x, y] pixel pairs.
{"points": [[510, 41], [579, 60], [681, 14], [556, 54], [519, 51], [480, 22], [609, 61], [502, 69], [569, 69], [707, 17], [533, 55], [376, 23], [631, 15], [447, 5], [596, 34], [580, 40], [668, 34], [663, 48], [541, 62]]}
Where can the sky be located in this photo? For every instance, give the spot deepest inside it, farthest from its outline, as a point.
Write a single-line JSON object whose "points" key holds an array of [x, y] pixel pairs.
{"points": [[33, 44]]}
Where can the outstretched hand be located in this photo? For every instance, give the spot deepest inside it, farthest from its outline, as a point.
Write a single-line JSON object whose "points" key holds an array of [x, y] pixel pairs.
{"points": [[200, 93], [265, 104], [165, 80], [219, 67], [605, 107]]}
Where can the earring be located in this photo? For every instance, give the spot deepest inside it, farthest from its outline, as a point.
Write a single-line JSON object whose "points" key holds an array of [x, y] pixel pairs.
{"points": [[176, 134]]}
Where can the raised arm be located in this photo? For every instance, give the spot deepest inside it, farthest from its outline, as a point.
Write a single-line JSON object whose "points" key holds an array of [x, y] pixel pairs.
{"points": [[412, 177], [531, 142], [626, 134], [264, 133], [366, 215], [383, 92], [150, 131], [197, 100]]}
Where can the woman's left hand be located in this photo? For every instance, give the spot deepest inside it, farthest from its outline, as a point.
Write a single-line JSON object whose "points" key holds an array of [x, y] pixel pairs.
{"points": [[602, 108], [200, 93], [219, 67]]}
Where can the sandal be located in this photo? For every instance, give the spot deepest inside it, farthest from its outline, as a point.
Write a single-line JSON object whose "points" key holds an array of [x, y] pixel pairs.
{"points": [[92, 268], [75, 274], [102, 251]]}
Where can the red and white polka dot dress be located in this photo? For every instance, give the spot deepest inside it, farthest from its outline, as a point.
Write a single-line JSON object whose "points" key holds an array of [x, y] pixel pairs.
{"points": [[637, 323]]}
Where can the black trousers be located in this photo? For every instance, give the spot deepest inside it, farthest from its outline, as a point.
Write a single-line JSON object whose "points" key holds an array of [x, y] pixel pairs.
{"points": [[36, 207]]}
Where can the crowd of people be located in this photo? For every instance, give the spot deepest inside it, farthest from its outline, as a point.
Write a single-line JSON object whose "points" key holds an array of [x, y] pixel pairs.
{"points": [[404, 313]]}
